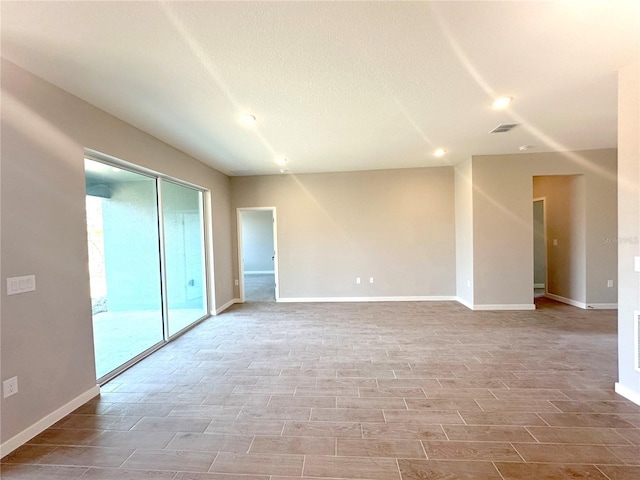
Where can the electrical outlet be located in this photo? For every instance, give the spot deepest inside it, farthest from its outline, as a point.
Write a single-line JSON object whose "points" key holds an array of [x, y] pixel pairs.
{"points": [[370, 279], [10, 387], [358, 280], [609, 283], [236, 282]]}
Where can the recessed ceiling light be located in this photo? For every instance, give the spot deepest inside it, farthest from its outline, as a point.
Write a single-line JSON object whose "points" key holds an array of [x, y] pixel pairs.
{"points": [[248, 119], [501, 102], [281, 161], [524, 148], [439, 152], [284, 170]]}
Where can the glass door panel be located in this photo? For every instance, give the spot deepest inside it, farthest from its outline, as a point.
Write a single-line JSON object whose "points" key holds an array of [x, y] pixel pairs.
{"points": [[122, 224], [183, 224]]}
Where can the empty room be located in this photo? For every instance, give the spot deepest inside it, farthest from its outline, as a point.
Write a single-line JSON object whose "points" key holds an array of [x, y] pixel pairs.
{"points": [[320, 240]]}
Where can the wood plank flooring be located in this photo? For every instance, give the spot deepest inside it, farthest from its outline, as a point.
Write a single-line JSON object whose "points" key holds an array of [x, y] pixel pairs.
{"points": [[388, 391]]}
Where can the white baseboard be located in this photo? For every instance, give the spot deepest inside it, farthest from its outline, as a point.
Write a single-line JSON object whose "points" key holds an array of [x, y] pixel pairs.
{"points": [[440, 298], [602, 306], [366, 299], [627, 393], [538, 285], [502, 306], [462, 301], [233, 301], [505, 306], [41, 425], [568, 301], [259, 272]]}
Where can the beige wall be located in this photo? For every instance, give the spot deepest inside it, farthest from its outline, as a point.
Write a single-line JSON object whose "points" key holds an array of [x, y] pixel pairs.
{"points": [[397, 226], [464, 232], [503, 218], [47, 338], [565, 224], [394, 225], [628, 224]]}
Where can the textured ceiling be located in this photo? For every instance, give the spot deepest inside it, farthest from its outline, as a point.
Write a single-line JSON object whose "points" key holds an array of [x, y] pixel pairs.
{"points": [[337, 86]]}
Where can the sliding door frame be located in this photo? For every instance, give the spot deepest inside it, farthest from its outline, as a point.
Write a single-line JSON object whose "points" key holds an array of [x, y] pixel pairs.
{"points": [[207, 232]]}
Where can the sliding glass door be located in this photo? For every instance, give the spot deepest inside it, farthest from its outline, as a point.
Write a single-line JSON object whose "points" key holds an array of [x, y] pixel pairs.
{"points": [[184, 255], [146, 262]]}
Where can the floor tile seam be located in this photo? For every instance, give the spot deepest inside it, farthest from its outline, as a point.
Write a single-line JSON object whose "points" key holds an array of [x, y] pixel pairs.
{"points": [[576, 445], [517, 451], [251, 444], [541, 418], [603, 473], [424, 450], [398, 467], [618, 457], [70, 464], [575, 463], [86, 473], [479, 406], [497, 470]]}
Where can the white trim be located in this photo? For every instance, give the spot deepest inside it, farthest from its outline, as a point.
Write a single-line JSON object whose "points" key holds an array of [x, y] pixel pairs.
{"points": [[546, 240], [505, 306], [260, 272], [134, 167], [627, 393], [366, 299], [442, 298], [462, 301], [568, 301], [538, 285], [210, 271], [602, 306], [233, 301], [41, 425], [636, 340]]}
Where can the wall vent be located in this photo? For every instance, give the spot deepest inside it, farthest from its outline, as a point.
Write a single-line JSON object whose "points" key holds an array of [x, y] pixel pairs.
{"points": [[505, 127], [636, 336]]}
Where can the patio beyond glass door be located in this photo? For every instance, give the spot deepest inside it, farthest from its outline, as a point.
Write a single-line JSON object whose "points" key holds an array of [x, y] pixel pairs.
{"points": [[122, 228], [182, 217], [147, 262]]}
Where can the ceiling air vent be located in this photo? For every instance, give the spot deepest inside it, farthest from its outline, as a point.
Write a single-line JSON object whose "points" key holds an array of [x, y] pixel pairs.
{"points": [[505, 127]]}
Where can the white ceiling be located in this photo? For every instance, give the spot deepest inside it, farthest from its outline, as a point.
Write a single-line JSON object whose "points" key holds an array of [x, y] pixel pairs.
{"points": [[337, 86]]}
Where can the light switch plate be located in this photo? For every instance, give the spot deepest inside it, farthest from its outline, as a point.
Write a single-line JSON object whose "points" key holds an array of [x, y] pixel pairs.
{"points": [[23, 284]]}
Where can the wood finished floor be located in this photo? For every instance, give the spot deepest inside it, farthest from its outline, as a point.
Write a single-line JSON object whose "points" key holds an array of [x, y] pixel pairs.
{"points": [[383, 391]]}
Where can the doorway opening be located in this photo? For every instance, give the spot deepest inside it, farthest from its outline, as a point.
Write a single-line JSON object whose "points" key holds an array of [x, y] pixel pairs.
{"points": [[539, 248], [257, 254]]}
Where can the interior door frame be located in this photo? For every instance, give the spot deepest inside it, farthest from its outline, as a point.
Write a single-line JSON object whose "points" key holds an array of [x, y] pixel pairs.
{"points": [[239, 213], [546, 246]]}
